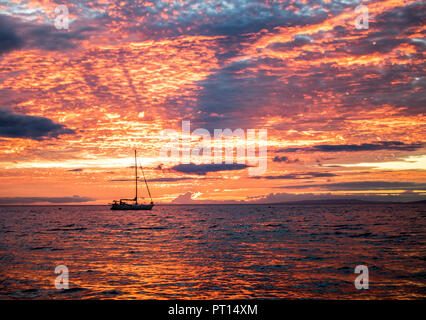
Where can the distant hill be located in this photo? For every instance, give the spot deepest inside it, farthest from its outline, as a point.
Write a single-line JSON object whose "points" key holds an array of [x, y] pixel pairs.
{"points": [[419, 202], [343, 201]]}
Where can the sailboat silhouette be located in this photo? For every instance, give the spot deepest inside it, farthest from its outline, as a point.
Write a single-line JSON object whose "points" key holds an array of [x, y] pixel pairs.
{"points": [[132, 204]]}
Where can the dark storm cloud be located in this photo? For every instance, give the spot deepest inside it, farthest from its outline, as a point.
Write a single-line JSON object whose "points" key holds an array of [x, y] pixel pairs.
{"points": [[203, 169], [28, 200], [384, 145], [14, 125]]}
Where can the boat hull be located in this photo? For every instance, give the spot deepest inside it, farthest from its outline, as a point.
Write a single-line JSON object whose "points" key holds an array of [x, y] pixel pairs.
{"points": [[132, 206]]}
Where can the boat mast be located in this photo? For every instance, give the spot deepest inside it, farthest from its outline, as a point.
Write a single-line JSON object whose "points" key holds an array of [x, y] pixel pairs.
{"points": [[136, 179], [146, 183]]}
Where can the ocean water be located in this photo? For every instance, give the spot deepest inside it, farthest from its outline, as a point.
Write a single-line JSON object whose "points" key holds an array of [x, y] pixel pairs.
{"points": [[214, 251]]}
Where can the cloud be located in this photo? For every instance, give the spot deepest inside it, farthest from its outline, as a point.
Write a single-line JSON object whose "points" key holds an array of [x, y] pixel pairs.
{"points": [[299, 41], [158, 19], [363, 185], [235, 95], [297, 176], [400, 19], [168, 179], [203, 169], [383, 145], [28, 200], [280, 159], [192, 198], [183, 198], [19, 34], [48, 38], [75, 170], [156, 179], [9, 40], [14, 125], [284, 159]]}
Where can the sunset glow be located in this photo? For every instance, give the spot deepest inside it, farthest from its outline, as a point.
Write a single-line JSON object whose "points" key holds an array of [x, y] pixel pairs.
{"points": [[343, 107]]}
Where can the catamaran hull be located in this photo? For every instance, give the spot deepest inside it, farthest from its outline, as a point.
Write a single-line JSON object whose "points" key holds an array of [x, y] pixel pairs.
{"points": [[132, 207]]}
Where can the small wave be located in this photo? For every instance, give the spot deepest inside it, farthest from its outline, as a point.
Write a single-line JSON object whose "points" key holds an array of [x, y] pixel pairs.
{"points": [[151, 228], [45, 248], [39, 248], [67, 229], [73, 290], [360, 235], [274, 225], [29, 290], [398, 236], [111, 292]]}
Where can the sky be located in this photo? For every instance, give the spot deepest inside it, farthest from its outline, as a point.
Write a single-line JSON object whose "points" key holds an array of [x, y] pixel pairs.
{"points": [[343, 106]]}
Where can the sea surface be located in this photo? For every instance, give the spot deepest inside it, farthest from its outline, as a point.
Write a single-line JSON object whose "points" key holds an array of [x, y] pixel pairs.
{"points": [[214, 251]]}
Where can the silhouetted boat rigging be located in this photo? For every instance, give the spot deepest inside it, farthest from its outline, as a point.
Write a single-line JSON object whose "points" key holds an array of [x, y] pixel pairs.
{"points": [[123, 204]]}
